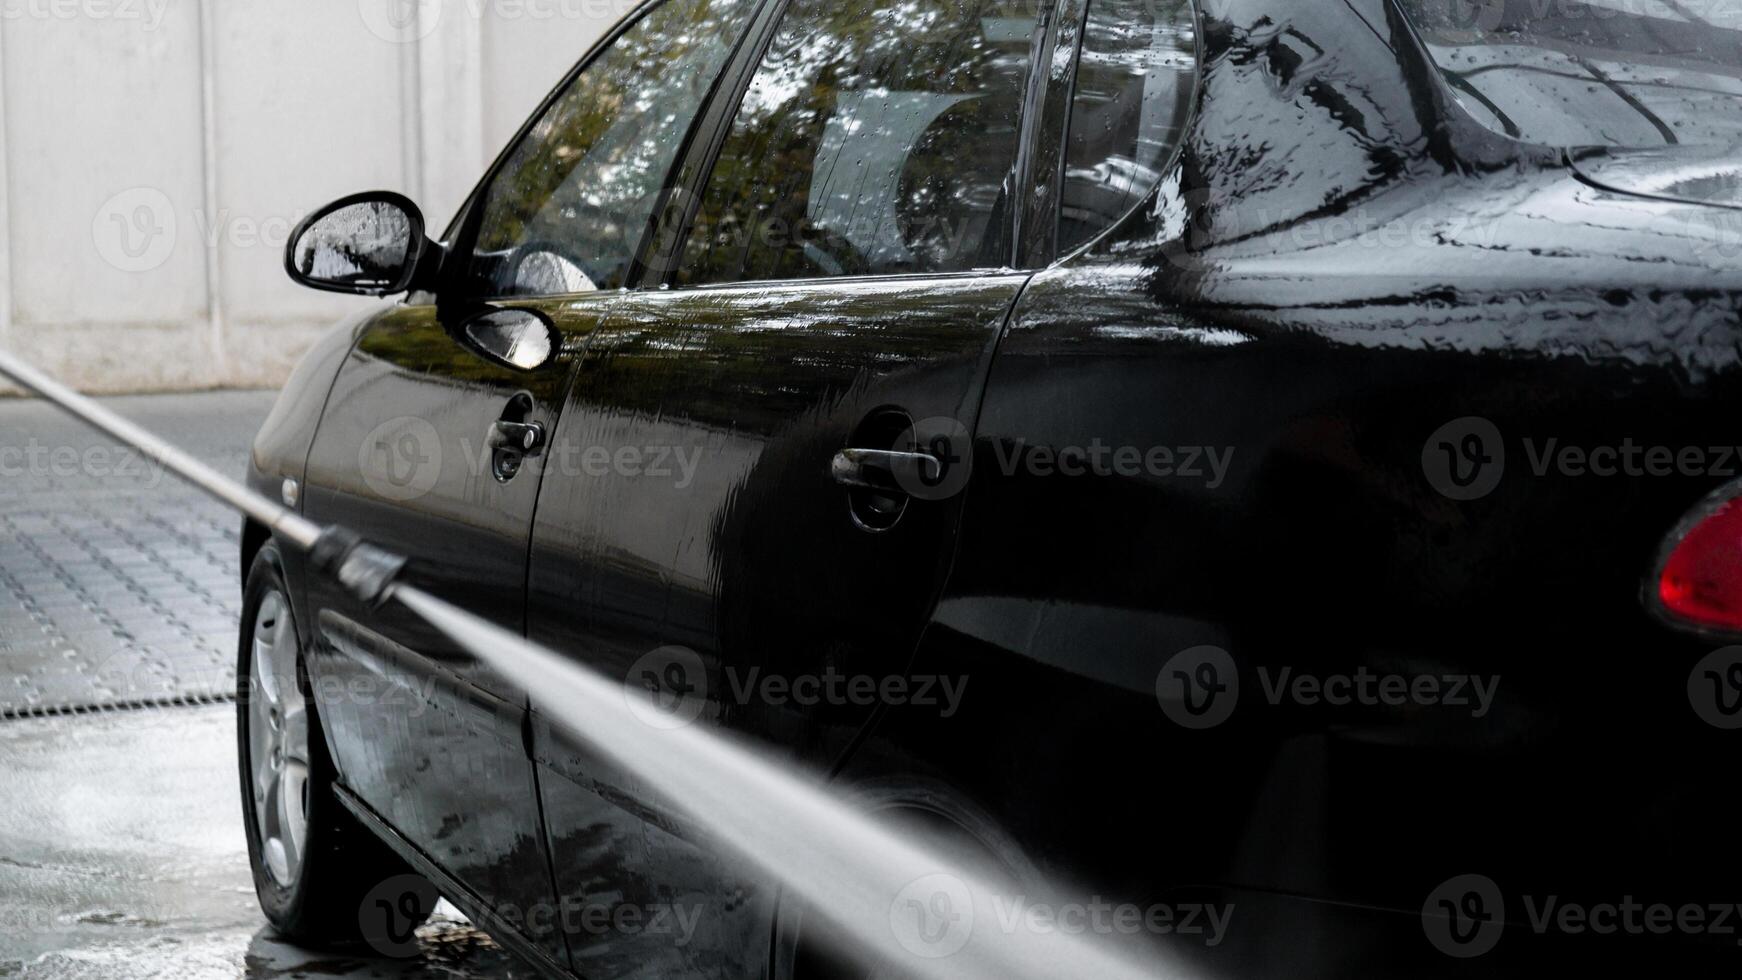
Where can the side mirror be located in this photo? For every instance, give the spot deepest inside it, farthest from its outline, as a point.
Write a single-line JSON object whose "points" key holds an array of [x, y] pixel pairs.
{"points": [[371, 244]]}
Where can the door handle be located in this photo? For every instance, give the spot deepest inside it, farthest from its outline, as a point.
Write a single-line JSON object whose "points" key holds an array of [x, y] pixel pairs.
{"points": [[880, 469], [514, 438], [517, 438]]}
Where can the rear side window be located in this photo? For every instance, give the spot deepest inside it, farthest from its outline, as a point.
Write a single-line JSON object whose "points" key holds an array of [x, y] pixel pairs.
{"points": [[875, 138], [1135, 84]]}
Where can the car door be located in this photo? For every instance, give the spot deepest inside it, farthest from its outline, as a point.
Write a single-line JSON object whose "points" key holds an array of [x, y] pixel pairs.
{"points": [[764, 503], [424, 735], [434, 444]]}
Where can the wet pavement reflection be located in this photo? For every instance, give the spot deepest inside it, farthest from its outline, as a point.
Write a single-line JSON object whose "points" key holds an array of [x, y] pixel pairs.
{"points": [[122, 856], [121, 847]]}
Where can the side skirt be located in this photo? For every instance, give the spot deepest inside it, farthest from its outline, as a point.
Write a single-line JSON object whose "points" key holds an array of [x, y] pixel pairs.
{"points": [[462, 897]]}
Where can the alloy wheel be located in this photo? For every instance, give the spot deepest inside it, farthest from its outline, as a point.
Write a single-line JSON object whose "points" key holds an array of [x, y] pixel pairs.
{"points": [[278, 728]]}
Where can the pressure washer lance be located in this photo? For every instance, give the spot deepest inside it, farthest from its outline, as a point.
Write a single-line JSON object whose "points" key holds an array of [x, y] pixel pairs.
{"points": [[367, 571]]}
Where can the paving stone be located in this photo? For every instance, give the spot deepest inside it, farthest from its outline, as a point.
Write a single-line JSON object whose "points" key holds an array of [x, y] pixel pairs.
{"points": [[118, 583]]}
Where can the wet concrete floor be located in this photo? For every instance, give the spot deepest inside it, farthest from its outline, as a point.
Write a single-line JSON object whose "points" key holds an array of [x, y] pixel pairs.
{"points": [[121, 847]]}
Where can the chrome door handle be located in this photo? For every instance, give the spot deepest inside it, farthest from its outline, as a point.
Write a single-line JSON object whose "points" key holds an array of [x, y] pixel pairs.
{"points": [[890, 472], [518, 438]]}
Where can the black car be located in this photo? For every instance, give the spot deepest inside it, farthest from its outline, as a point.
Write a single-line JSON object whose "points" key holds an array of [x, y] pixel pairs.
{"points": [[1266, 456]]}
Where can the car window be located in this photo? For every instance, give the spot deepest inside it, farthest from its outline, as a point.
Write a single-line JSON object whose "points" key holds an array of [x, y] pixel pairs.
{"points": [[1135, 83], [874, 139], [1624, 73], [568, 210]]}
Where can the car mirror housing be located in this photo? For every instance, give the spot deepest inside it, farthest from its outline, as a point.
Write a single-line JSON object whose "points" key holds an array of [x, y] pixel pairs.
{"points": [[369, 244]]}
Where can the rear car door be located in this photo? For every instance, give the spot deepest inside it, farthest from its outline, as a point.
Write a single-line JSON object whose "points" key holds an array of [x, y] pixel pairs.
{"points": [[733, 535], [433, 445]]}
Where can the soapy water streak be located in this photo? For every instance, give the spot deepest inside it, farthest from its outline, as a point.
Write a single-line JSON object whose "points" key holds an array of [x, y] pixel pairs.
{"points": [[848, 867]]}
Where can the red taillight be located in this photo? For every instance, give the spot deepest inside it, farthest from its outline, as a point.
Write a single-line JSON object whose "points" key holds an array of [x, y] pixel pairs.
{"points": [[1701, 580]]}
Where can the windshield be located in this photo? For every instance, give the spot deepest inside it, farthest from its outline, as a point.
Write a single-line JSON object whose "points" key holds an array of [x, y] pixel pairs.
{"points": [[1592, 72]]}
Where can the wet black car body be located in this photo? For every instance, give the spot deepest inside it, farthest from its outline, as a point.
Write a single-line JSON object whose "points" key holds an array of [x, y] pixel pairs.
{"points": [[1300, 481]]}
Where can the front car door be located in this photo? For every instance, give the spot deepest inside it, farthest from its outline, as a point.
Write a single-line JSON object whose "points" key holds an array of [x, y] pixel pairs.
{"points": [[842, 285], [434, 442], [424, 735]]}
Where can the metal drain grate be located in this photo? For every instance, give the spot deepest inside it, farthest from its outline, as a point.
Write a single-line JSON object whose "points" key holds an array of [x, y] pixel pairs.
{"points": [[113, 707]]}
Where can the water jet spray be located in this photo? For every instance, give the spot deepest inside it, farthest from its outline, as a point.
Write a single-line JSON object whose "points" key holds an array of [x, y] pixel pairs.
{"points": [[896, 900]]}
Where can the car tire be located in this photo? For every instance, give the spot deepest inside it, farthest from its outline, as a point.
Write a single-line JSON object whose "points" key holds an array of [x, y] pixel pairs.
{"points": [[319, 874]]}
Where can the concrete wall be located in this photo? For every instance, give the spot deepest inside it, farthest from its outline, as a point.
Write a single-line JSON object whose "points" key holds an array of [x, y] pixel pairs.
{"points": [[154, 155]]}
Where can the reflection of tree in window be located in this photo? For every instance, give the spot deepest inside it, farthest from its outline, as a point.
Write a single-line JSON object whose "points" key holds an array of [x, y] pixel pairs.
{"points": [[1135, 82], [873, 140], [581, 188]]}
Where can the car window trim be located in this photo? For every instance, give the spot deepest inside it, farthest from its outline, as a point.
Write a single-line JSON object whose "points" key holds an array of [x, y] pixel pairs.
{"points": [[1026, 210], [702, 147], [699, 169], [813, 282], [696, 166], [1021, 175], [1038, 246]]}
